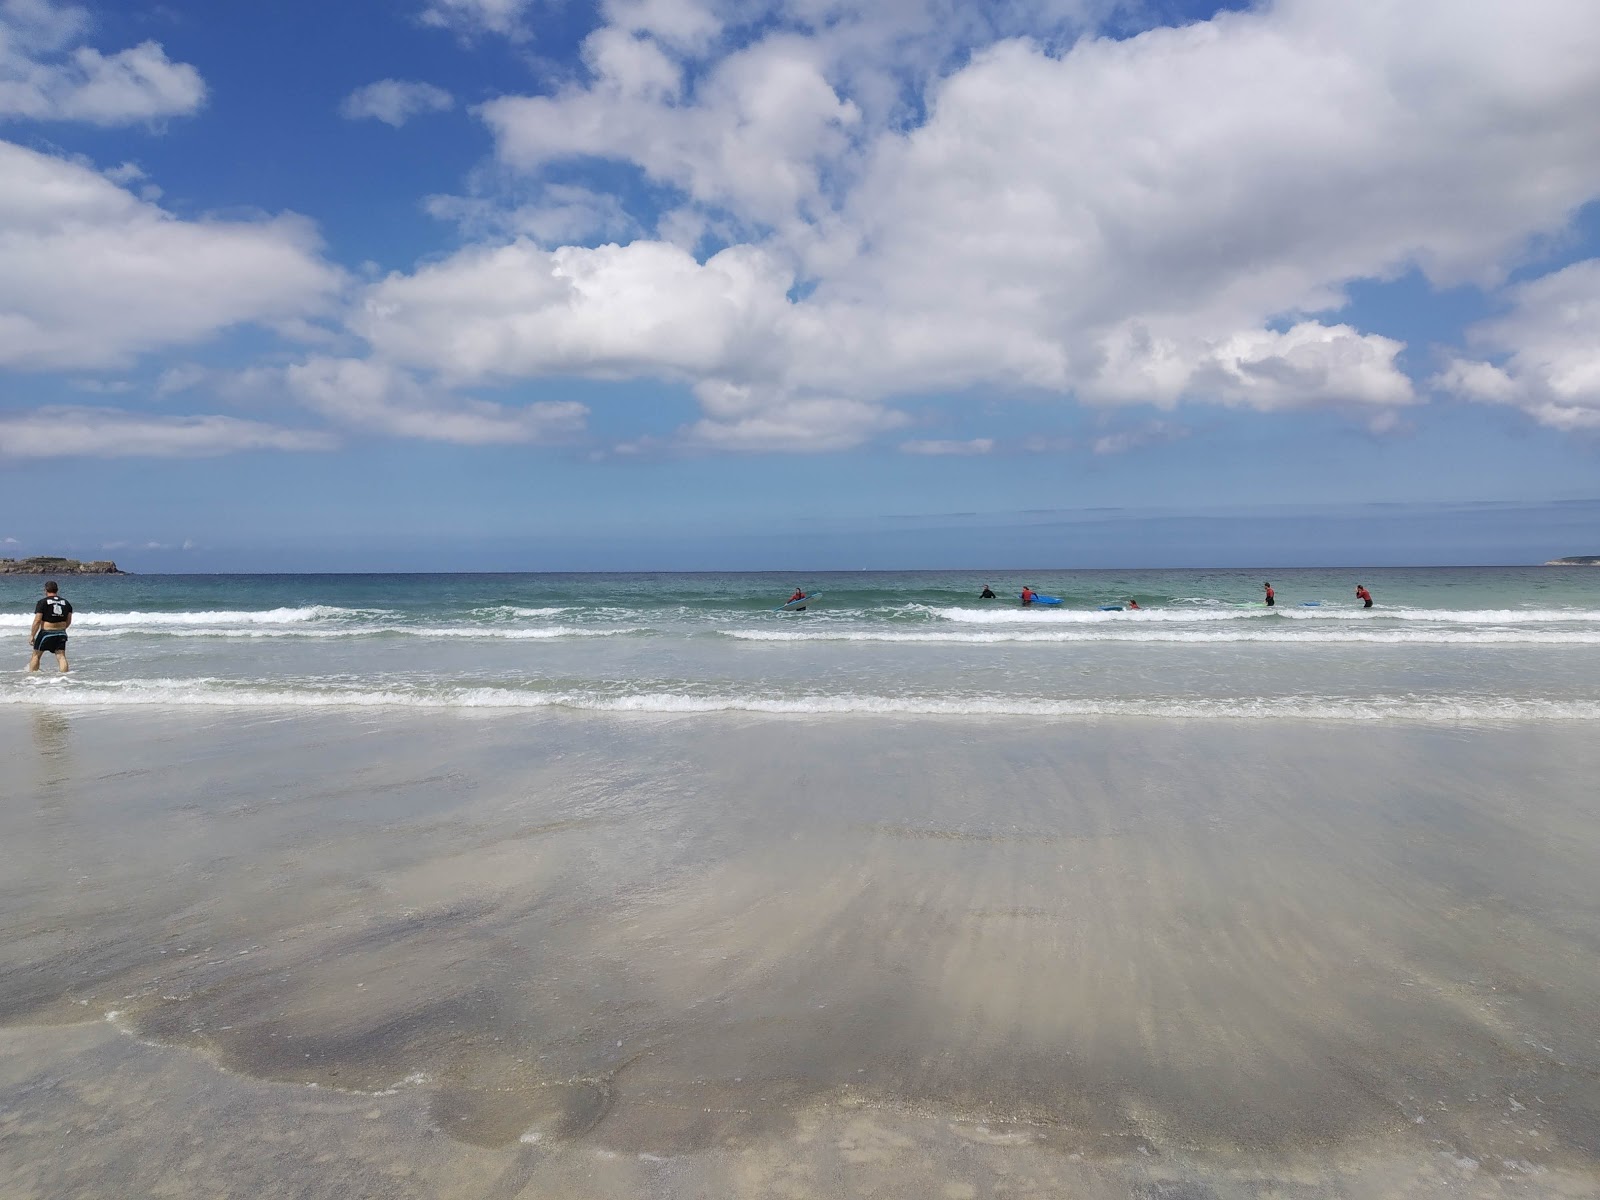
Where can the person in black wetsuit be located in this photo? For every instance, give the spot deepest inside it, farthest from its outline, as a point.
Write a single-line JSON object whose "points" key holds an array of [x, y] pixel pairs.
{"points": [[51, 616], [987, 593]]}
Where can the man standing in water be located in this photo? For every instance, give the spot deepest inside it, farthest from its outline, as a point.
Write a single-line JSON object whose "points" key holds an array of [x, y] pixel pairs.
{"points": [[51, 616], [1364, 596], [1272, 597]]}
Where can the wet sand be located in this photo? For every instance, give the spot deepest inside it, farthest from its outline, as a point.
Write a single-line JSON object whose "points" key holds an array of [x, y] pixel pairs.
{"points": [[580, 955]]}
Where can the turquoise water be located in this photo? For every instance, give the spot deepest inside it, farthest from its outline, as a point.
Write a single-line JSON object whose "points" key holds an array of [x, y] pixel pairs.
{"points": [[1442, 644]]}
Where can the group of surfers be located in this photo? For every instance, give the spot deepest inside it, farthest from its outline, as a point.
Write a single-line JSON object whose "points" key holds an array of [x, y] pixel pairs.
{"points": [[1028, 596], [1270, 597]]}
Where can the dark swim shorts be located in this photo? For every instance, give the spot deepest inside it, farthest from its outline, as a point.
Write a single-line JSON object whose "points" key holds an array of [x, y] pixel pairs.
{"points": [[50, 641]]}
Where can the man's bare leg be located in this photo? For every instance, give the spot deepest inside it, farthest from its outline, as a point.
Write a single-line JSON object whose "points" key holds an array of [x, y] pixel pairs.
{"points": [[33, 663], [61, 661]]}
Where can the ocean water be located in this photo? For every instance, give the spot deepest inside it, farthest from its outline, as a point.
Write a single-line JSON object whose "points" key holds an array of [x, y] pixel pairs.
{"points": [[1452, 644]]}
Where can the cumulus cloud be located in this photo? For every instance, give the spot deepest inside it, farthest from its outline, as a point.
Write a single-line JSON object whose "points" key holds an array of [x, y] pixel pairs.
{"points": [[46, 74], [72, 432], [1149, 220], [378, 398], [395, 101], [1545, 352], [752, 139], [91, 276], [937, 447], [514, 310], [1155, 220]]}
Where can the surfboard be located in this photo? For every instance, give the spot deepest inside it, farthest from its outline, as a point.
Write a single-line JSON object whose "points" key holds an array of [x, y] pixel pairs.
{"points": [[1109, 608], [1311, 604], [1038, 599], [797, 605]]}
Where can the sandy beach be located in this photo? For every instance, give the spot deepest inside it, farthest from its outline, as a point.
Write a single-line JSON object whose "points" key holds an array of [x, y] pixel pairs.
{"points": [[386, 953]]}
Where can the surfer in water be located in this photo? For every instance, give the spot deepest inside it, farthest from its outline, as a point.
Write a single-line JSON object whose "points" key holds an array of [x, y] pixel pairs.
{"points": [[1133, 606], [1027, 595], [987, 593], [1364, 596], [1272, 597], [798, 595]]}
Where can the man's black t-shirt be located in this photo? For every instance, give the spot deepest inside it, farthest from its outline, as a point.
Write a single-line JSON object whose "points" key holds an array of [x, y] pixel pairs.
{"points": [[54, 609]]}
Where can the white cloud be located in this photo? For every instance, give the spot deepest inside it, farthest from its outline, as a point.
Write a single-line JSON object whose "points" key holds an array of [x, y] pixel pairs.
{"points": [[1157, 220], [91, 276], [1549, 346], [1308, 364], [504, 312], [395, 101], [684, 25], [70, 432], [380, 398], [1148, 220], [807, 425], [937, 447], [45, 75], [753, 139], [508, 18]]}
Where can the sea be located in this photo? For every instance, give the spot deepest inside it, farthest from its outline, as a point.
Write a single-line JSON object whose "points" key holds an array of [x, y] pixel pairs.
{"points": [[1440, 644], [621, 886]]}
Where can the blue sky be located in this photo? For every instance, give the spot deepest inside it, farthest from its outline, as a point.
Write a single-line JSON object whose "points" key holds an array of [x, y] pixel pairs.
{"points": [[517, 284]]}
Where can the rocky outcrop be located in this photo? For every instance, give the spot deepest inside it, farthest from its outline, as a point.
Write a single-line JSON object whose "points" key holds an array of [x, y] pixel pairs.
{"points": [[45, 565], [1576, 560]]}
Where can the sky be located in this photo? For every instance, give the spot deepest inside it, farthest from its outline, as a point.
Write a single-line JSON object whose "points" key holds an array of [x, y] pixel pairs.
{"points": [[723, 284]]}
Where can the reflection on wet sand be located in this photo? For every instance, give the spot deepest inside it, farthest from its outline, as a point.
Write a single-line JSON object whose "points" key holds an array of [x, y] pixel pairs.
{"points": [[784, 954]]}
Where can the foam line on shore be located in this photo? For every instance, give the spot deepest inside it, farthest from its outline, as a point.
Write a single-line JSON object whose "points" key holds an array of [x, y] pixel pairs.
{"points": [[270, 616], [1408, 637], [213, 693]]}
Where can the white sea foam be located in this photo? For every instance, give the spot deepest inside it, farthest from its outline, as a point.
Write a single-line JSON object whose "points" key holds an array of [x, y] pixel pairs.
{"points": [[512, 610], [347, 632], [1408, 637], [214, 693], [222, 619]]}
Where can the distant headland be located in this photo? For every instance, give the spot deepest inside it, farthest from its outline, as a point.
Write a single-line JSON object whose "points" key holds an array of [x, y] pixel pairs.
{"points": [[45, 565], [1576, 560]]}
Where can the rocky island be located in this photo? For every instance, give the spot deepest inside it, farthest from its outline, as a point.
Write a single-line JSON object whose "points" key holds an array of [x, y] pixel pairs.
{"points": [[47, 565], [1576, 560]]}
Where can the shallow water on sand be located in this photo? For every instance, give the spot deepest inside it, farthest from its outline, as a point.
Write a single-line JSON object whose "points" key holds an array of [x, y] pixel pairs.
{"points": [[596, 954]]}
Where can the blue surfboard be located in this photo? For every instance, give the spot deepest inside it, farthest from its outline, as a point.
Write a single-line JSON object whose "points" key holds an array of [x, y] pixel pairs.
{"points": [[1109, 608], [797, 605], [1038, 599]]}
